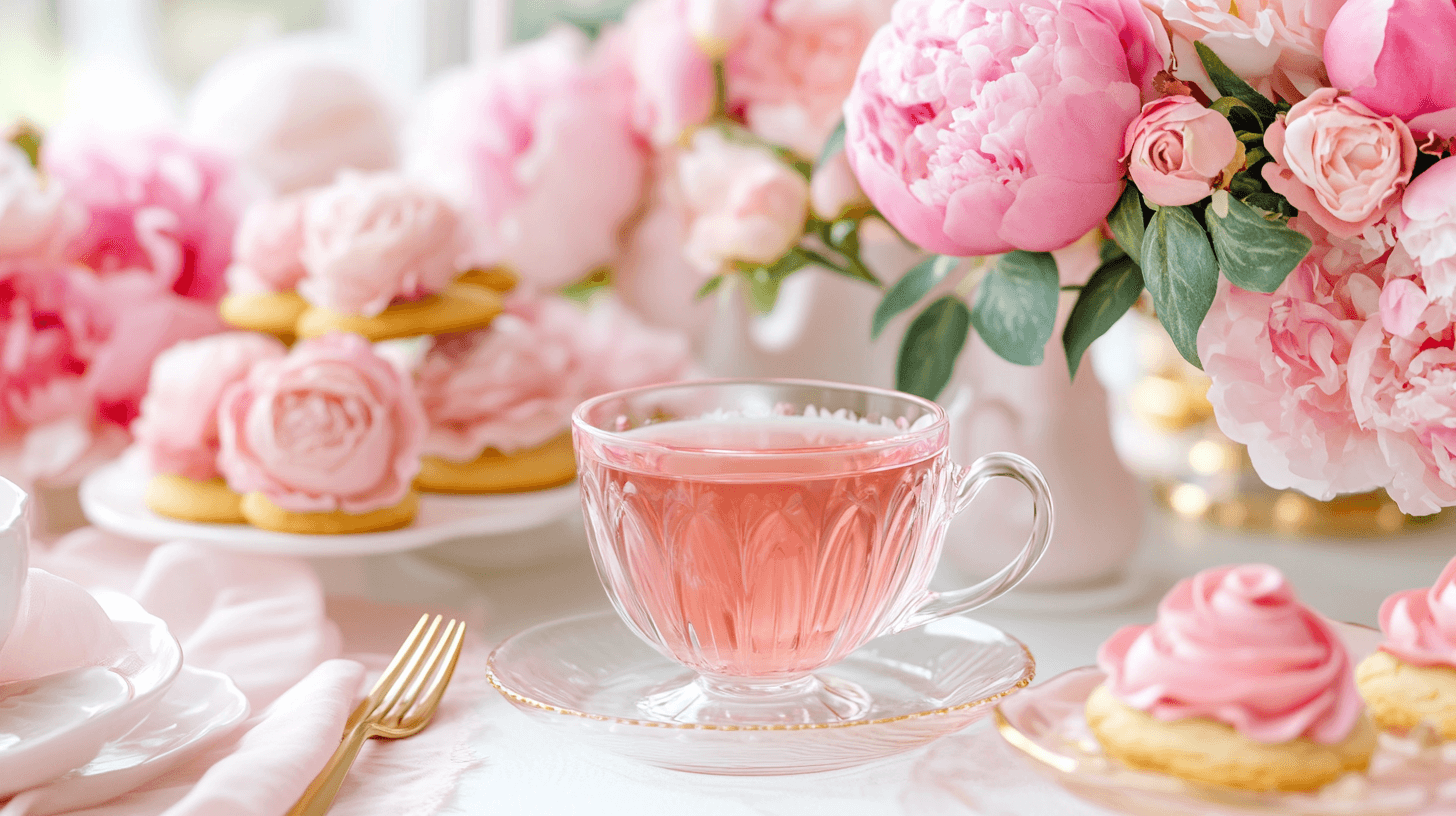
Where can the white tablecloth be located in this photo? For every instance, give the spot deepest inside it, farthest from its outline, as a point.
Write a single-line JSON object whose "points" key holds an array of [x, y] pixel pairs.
{"points": [[528, 769]]}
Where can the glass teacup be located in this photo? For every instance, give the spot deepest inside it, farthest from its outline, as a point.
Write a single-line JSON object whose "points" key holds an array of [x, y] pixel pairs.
{"points": [[757, 531]]}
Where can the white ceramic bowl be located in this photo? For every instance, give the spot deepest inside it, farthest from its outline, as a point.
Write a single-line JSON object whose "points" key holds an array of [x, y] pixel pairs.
{"points": [[14, 552]]}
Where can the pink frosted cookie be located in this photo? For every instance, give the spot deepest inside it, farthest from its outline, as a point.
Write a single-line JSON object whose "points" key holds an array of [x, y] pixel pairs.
{"points": [[326, 440], [267, 266], [1236, 684], [1412, 678]]}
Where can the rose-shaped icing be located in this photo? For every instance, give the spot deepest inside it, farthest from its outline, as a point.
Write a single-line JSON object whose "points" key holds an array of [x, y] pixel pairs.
{"points": [[332, 426], [1338, 161], [1177, 149], [1232, 644], [268, 247], [1420, 624], [177, 429], [371, 238], [750, 205]]}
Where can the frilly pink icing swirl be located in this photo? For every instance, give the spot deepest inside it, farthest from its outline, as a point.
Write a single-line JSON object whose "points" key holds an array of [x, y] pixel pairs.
{"points": [[1232, 644], [1420, 624]]}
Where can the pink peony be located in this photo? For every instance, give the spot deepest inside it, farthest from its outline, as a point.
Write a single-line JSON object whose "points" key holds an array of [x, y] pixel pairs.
{"points": [[369, 239], [268, 247], [1279, 368], [1337, 161], [1428, 226], [51, 327], [177, 429], [793, 65], [1274, 45], [749, 205], [1398, 58], [671, 76], [1403, 390], [36, 219], [540, 145], [155, 203], [1177, 150], [988, 125], [295, 114], [332, 426], [508, 387]]}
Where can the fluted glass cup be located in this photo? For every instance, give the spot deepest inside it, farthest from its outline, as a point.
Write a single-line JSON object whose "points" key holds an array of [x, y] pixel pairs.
{"points": [[757, 531]]}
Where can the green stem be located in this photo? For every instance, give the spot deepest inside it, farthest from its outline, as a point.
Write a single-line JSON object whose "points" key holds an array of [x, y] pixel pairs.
{"points": [[720, 89]]}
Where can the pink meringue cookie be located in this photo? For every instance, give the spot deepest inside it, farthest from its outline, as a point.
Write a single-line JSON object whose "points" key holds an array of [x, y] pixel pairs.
{"points": [[61, 627], [177, 429], [1232, 644], [332, 426], [1420, 624]]}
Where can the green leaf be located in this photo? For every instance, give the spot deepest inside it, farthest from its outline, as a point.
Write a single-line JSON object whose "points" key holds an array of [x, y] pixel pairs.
{"points": [[833, 145], [1126, 222], [764, 281], [915, 284], [1110, 292], [1229, 84], [710, 287], [1254, 253], [1109, 251], [1016, 306], [930, 348], [1181, 273]]}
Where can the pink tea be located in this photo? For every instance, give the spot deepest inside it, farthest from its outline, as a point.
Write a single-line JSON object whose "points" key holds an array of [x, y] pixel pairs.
{"points": [[781, 553]]}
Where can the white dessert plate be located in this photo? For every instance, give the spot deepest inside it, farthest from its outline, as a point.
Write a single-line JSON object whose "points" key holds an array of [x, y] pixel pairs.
{"points": [[54, 724], [112, 497], [1047, 724], [585, 676], [200, 709]]}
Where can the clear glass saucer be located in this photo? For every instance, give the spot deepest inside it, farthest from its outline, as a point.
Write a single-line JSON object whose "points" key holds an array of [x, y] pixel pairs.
{"points": [[1408, 774], [589, 676]]}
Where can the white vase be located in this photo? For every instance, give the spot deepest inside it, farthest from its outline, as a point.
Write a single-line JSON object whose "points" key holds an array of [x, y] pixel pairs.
{"points": [[819, 329]]}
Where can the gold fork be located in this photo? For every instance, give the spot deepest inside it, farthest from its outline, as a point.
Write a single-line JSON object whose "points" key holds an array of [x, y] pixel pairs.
{"points": [[400, 705]]}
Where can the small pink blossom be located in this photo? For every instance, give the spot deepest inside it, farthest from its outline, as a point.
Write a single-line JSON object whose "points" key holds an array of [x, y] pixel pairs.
{"points": [[1279, 365], [37, 220], [719, 24], [540, 148], [268, 247], [1177, 149], [369, 239], [1338, 161], [155, 203], [983, 126], [177, 429], [670, 72], [1428, 226], [1274, 45], [332, 426], [749, 205]]}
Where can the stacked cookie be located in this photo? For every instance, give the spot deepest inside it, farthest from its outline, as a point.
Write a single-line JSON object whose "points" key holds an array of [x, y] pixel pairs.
{"points": [[409, 371], [1237, 684]]}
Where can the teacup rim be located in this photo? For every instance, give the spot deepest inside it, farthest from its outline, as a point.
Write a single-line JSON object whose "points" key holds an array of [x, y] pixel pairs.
{"points": [[939, 425], [17, 509]]}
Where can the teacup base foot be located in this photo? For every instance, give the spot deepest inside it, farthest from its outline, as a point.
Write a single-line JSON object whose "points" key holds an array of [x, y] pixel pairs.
{"points": [[700, 700]]}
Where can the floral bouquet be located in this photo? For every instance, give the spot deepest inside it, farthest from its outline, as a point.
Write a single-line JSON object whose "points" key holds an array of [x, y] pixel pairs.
{"points": [[1274, 174]]}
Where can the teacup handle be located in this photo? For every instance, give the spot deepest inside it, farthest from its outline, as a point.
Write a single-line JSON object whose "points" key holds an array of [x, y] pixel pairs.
{"points": [[967, 483]]}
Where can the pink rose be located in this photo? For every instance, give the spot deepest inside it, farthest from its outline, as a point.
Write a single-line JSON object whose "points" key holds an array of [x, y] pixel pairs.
{"points": [[509, 387], [1279, 369], [1398, 58], [155, 203], [833, 190], [294, 113], [1403, 390], [1177, 150], [1274, 45], [540, 145], [1428, 226], [793, 65], [671, 75], [369, 239], [36, 220], [1337, 161], [268, 247], [749, 205], [332, 426], [177, 429], [988, 125]]}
